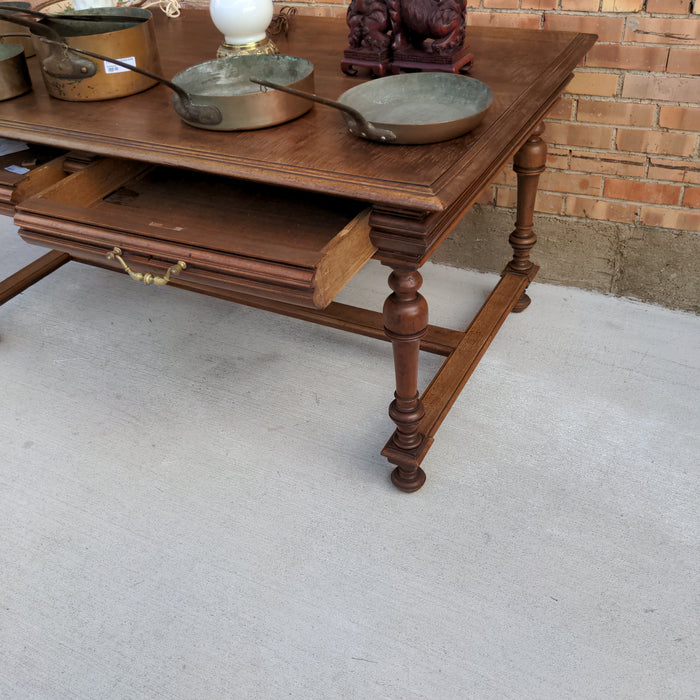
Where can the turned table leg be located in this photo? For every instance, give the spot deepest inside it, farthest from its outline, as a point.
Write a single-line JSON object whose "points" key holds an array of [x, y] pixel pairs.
{"points": [[405, 323], [528, 164]]}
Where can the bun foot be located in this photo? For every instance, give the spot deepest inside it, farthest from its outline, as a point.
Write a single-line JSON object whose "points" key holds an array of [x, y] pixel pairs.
{"points": [[521, 304], [408, 481]]}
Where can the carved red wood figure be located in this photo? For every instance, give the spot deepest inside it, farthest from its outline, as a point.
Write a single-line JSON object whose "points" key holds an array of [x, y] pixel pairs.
{"points": [[369, 25], [406, 35], [435, 26]]}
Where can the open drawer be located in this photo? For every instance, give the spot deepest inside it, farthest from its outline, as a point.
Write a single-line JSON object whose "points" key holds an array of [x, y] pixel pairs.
{"points": [[213, 231], [27, 171]]}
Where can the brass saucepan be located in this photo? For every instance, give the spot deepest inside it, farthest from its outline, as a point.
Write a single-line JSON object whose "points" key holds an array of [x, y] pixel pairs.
{"points": [[124, 32], [14, 76]]}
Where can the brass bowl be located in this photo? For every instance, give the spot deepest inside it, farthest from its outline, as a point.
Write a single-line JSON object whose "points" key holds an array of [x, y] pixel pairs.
{"points": [[14, 76]]}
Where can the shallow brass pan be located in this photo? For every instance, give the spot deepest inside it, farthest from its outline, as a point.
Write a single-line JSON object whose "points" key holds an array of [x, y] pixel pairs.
{"points": [[410, 108]]}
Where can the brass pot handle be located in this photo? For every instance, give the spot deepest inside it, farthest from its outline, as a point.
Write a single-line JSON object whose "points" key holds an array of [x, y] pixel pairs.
{"points": [[146, 277], [58, 64]]}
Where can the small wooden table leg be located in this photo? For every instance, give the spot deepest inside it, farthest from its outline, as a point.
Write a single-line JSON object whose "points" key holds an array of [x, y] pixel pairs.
{"points": [[405, 323], [528, 164]]}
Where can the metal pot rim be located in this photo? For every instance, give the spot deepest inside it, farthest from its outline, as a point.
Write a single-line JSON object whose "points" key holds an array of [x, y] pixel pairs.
{"points": [[230, 76]]}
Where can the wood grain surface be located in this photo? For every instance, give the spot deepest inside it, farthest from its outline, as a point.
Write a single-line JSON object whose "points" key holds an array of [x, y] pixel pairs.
{"points": [[314, 152]]}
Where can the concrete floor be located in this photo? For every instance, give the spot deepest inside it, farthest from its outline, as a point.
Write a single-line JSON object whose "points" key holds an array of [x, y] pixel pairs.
{"points": [[193, 505]]}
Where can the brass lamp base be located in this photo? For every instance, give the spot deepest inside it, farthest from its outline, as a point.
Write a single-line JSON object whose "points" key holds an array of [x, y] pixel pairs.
{"points": [[264, 46]]}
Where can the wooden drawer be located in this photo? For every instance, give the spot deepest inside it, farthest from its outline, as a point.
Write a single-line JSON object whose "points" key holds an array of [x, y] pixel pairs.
{"points": [[26, 172], [239, 236]]}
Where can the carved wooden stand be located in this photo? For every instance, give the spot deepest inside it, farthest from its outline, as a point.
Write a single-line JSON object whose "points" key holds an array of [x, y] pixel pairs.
{"points": [[412, 59], [378, 62]]}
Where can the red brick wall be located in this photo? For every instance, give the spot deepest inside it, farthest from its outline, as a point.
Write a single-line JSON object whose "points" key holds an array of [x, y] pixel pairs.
{"points": [[624, 141]]}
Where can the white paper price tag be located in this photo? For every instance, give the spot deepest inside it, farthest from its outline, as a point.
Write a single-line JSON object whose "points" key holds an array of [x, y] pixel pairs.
{"points": [[114, 68]]}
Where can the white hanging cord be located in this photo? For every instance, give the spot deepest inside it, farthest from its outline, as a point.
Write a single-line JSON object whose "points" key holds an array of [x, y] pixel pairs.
{"points": [[170, 7]]}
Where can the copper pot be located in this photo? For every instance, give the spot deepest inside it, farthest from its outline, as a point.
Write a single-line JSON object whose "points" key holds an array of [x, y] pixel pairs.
{"points": [[14, 76], [133, 41], [123, 32]]}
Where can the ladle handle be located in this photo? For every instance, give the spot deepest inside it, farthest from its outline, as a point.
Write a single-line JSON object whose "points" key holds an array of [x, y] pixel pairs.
{"points": [[206, 115], [75, 17], [357, 124], [58, 63]]}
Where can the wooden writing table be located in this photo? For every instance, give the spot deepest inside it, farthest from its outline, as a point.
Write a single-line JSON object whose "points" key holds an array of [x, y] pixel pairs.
{"points": [[297, 208]]}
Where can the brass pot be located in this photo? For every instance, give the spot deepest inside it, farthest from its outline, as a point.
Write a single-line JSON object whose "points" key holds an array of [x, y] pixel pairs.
{"points": [[14, 76], [128, 36]]}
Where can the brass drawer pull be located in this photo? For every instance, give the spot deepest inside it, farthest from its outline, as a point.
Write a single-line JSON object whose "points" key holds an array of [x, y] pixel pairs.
{"points": [[146, 277]]}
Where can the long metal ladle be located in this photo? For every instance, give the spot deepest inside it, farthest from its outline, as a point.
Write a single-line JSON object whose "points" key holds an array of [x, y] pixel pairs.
{"points": [[68, 17]]}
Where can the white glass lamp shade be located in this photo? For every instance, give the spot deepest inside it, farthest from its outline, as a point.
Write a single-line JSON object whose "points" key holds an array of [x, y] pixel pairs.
{"points": [[241, 21]]}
